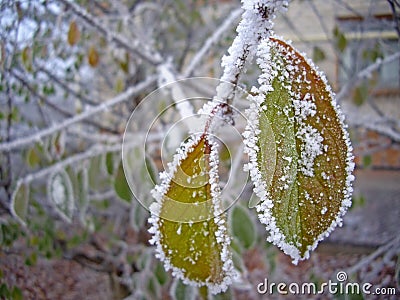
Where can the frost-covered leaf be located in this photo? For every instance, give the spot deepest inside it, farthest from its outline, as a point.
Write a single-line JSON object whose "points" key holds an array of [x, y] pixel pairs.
{"points": [[310, 188], [160, 273], [73, 33], [99, 179], [188, 226], [60, 194], [243, 227], [138, 215], [20, 202]]}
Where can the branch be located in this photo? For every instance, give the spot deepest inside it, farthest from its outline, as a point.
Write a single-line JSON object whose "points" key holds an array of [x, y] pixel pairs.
{"points": [[57, 108], [73, 159], [8, 146], [395, 244], [256, 24], [213, 39], [396, 17], [136, 47], [63, 85], [365, 73]]}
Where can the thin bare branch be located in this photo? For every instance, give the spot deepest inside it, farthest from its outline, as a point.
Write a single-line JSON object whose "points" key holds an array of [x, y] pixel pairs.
{"points": [[365, 73], [21, 142], [136, 47], [212, 40]]}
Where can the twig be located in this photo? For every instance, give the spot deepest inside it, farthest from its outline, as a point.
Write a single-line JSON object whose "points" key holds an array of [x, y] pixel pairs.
{"points": [[81, 97], [57, 108], [95, 150], [395, 17], [136, 47], [326, 32], [365, 73], [256, 24], [213, 39], [8, 146], [395, 243]]}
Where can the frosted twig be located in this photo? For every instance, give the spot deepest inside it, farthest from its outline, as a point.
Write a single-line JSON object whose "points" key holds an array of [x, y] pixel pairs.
{"points": [[211, 41], [256, 24], [102, 196], [95, 150], [53, 106], [96, 137], [365, 73], [136, 47], [322, 22], [67, 88], [395, 243], [8, 146], [166, 76]]}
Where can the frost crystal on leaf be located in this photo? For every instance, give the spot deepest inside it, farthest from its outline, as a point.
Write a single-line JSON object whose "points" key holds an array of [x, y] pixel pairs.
{"points": [[305, 192]]}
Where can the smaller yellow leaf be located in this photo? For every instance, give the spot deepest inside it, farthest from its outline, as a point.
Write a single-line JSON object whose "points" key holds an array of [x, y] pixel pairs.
{"points": [[73, 33], [93, 57], [188, 227]]}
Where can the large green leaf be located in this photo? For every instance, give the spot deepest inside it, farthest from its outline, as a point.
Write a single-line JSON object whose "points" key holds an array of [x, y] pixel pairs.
{"points": [[308, 192], [188, 226]]}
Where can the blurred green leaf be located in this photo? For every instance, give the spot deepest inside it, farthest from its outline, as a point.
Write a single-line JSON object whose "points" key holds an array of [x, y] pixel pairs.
{"points": [[340, 39], [4, 291], [20, 202], [366, 161], [82, 193], [110, 163], [32, 157], [160, 273], [31, 260], [318, 54], [243, 227], [119, 85], [121, 185], [153, 288]]}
